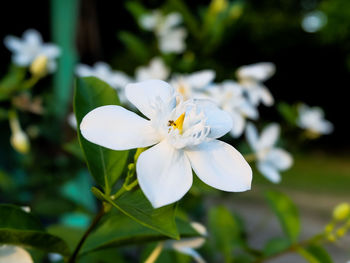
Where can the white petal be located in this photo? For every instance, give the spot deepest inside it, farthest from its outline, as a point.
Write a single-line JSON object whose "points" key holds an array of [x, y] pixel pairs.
{"points": [[173, 41], [195, 242], [252, 136], [164, 174], [269, 171], [201, 78], [14, 254], [116, 128], [82, 70], [51, 51], [269, 136], [221, 166], [266, 97], [145, 94], [259, 71], [220, 121], [238, 124], [32, 37], [22, 59], [172, 20], [249, 110], [13, 43], [280, 158]]}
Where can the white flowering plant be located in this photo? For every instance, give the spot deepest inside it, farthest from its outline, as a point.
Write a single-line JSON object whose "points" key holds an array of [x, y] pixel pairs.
{"points": [[154, 156]]}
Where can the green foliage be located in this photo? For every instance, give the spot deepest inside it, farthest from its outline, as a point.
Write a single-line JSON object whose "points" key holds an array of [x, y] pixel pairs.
{"points": [[288, 112], [18, 227], [315, 254], [286, 212], [275, 246], [135, 46], [12, 82], [105, 165], [117, 230], [135, 205], [224, 230]]}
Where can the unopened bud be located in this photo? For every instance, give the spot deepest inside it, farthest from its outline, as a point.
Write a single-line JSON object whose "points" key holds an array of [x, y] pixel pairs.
{"points": [[341, 232], [217, 6], [39, 66], [341, 211], [329, 228], [331, 238], [20, 142]]}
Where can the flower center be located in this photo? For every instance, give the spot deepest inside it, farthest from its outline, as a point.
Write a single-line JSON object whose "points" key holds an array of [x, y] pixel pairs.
{"points": [[178, 124]]}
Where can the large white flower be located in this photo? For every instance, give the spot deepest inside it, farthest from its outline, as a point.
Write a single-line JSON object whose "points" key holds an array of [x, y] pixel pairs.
{"points": [[195, 85], [155, 70], [171, 37], [270, 159], [116, 79], [183, 134], [30, 47], [312, 119], [251, 78], [14, 254], [229, 97]]}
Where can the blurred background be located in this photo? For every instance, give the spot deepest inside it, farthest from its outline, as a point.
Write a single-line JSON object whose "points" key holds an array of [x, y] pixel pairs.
{"points": [[308, 40]]}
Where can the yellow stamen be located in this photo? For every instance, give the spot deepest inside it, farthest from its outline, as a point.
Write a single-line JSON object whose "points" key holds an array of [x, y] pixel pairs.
{"points": [[39, 66], [178, 124]]}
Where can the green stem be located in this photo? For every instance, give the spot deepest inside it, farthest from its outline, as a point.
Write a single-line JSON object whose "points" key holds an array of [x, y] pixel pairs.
{"points": [[124, 188], [250, 157], [97, 218]]}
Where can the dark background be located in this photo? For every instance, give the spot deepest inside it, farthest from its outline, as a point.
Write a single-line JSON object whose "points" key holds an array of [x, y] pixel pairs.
{"points": [[311, 67]]}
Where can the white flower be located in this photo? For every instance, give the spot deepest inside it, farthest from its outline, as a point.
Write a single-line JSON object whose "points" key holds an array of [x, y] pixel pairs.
{"points": [[183, 134], [116, 79], [195, 85], [171, 37], [72, 121], [30, 47], [312, 119], [251, 78], [14, 254], [187, 246], [155, 70], [229, 97], [271, 159]]}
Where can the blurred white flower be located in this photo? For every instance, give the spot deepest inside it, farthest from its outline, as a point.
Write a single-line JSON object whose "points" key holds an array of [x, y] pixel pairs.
{"points": [[116, 79], [30, 47], [183, 134], [19, 139], [14, 254], [72, 121], [270, 159], [314, 21], [195, 85], [312, 119], [251, 78], [229, 97], [187, 246], [54, 257], [171, 37], [155, 70]]}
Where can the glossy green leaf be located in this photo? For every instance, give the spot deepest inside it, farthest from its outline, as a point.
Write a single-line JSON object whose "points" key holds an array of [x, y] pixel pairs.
{"points": [[135, 205], [275, 246], [315, 254], [18, 227], [105, 165], [117, 229], [224, 230], [286, 212]]}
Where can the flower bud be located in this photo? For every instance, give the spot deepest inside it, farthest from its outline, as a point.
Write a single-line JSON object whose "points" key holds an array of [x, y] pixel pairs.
{"points": [[20, 142], [341, 211], [217, 6], [39, 66]]}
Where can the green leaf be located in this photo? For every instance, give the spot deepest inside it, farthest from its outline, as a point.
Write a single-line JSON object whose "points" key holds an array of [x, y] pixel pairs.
{"points": [[105, 165], [73, 147], [135, 205], [275, 246], [225, 231], [286, 212], [71, 235], [135, 45], [315, 254], [18, 227], [288, 112], [116, 229], [12, 81]]}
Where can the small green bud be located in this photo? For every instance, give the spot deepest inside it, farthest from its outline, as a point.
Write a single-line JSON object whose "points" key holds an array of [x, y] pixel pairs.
{"points": [[341, 211]]}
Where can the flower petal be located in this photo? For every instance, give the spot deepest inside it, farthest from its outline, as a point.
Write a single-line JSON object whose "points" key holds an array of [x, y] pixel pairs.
{"points": [[252, 136], [266, 96], [238, 124], [145, 94], [116, 128], [14, 254], [259, 71], [13, 43], [164, 174], [219, 121], [280, 158], [32, 37], [200, 79], [269, 136], [221, 166], [269, 171], [51, 51]]}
